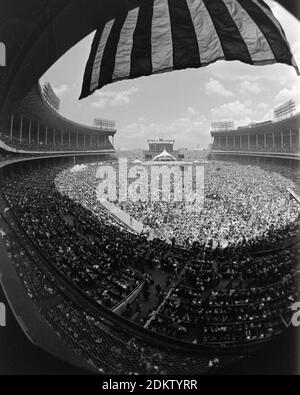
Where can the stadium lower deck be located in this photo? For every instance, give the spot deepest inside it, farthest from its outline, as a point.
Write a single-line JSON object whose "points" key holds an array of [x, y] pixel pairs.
{"points": [[128, 305]]}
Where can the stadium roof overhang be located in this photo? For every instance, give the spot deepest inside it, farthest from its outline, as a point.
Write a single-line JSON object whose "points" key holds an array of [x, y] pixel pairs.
{"points": [[37, 33], [34, 107]]}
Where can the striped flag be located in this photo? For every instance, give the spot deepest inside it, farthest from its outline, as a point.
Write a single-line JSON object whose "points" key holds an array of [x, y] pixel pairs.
{"points": [[165, 35]]}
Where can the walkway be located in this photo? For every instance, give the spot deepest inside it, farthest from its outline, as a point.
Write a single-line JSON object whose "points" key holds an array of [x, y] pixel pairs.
{"points": [[122, 216], [294, 194]]}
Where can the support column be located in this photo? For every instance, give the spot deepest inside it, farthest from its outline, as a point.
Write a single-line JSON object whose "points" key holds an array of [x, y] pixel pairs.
{"points": [[281, 136], [77, 139], [46, 136], [291, 139], [84, 140], [62, 137], [226, 142], [256, 141], [69, 139], [54, 142], [265, 140], [29, 132], [21, 128], [248, 141], [273, 135], [233, 141], [241, 141], [38, 134], [11, 126]]}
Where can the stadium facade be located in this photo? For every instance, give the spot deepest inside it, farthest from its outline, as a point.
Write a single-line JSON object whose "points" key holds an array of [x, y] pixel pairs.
{"points": [[278, 139]]}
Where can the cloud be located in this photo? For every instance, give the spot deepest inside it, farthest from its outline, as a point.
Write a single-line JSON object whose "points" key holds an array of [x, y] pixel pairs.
{"points": [[100, 103], [268, 116], [215, 87], [236, 111], [288, 93], [232, 111], [242, 113], [262, 106], [191, 110], [249, 87], [61, 90], [269, 76], [189, 129], [113, 98], [244, 122]]}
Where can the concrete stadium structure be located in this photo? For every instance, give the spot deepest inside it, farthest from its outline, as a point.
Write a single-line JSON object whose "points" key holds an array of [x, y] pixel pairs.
{"points": [[279, 140], [35, 128]]}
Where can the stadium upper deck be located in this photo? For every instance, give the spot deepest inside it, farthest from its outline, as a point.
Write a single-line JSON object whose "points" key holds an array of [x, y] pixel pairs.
{"points": [[269, 139], [34, 127]]}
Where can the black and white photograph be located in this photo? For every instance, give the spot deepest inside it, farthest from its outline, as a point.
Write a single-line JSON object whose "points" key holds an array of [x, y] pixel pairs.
{"points": [[149, 191]]}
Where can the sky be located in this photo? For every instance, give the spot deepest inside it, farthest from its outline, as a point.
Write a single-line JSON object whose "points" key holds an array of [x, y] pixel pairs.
{"points": [[180, 105]]}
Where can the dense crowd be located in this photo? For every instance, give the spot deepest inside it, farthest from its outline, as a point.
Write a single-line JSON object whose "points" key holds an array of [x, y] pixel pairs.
{"points": [[206, 292], [243, 205], [107, 349], [213, 264], [49, 220], [34, 145], [294, 149], [225, 316]]}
